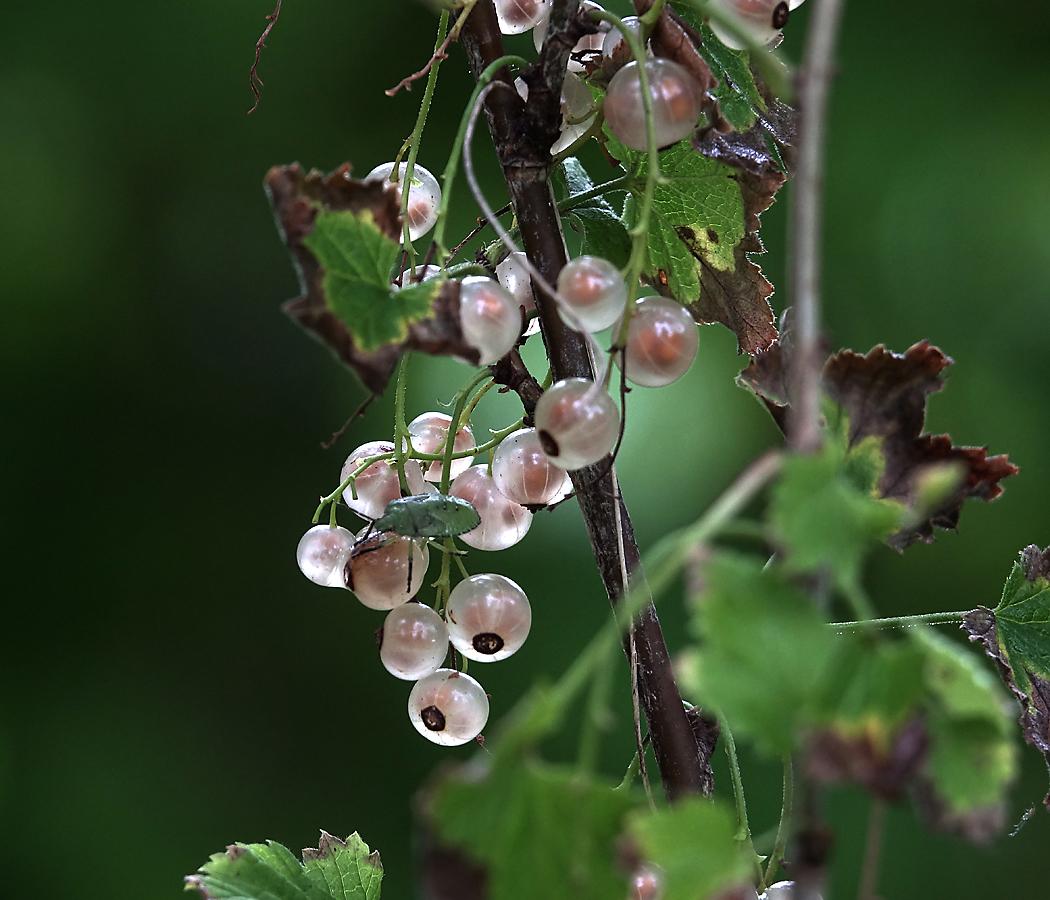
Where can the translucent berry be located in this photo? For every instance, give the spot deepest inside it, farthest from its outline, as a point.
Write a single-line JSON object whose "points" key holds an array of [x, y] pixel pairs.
{"points": [[488, 617], [647, 882], [386, 569], [516, 16], [579, 56], [448, 707], [413, 641], [577, 422], [661, 342], [513, 275], [524, 474], [676, 98], [424, 196], [418, 274], [378, 484], [595, 291], [429, 432], [503, 522], [761, 19], [616, 52], [490, 317], [782, 890], [322, 553]]}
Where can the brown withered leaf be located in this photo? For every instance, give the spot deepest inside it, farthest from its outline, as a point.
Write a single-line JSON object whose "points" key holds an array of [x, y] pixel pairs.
{"points": [[834, 757], [297, 198], [980, 825], [884, 395]]}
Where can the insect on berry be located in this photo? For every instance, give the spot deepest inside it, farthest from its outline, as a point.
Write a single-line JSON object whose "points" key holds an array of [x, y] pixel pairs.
{"points": [[428, 515]]}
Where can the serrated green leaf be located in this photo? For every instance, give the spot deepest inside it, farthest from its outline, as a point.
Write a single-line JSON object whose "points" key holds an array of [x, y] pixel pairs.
{"points": [[763, 650], [540, 832], [357, 258], [337, 869], [603, 230], [823, 520], [694, 844]]}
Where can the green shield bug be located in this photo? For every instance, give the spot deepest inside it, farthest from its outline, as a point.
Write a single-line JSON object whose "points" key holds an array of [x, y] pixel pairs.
{"points": [[428, 515]]}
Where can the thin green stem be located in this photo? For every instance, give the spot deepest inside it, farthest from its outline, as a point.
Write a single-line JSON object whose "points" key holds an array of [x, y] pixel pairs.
{"points": [[402, 440], [648, 19], [743, 829], [629, 775], [784, 828], [453, 426], [449, 175], [348, 482], [941, 618], [624, 182], [469, 411]]}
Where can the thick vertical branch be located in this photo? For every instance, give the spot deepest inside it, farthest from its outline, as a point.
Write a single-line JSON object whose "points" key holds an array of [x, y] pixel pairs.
{"points": [[522, 138]]}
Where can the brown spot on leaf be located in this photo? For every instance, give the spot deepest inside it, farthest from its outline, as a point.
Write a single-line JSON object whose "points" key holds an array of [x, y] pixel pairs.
{"points": [[712, 235], [882, 771]]}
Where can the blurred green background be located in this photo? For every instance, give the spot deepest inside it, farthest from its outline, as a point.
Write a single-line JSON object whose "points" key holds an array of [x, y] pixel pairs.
{"points": [[170, 683]]}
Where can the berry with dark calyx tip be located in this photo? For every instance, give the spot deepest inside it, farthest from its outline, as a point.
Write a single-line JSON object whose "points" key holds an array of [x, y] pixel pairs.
{"points": [[488, 617], [424, 196], [322, 553], [428, 515], [490, 318], [577, 422], [517, 16], [429, 432], [662, 340], [448, 707], [677, 101], [761, 19], [385, 570], [378, 484], [594, 290], [503, 522], [524, 474], [413, 641]]}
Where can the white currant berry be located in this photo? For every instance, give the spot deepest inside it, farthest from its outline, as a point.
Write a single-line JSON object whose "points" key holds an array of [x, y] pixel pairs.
{"points": [[677, 100], [429, 432], [516, 16], [418, 274], [503, 522], [761, 19], [577, 422], [616, 52], [448, 707], [577, 111], [377, 485], [513, 275], [424, 196], [488, 617], [647, 882], [524, 474], [662, 341], [413, 641], [322, 553], [595, 291], [386, 569], [782, 890], [490, 318], [589, 42]]}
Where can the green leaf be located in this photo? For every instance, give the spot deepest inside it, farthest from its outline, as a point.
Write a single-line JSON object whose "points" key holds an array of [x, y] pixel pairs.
{"points": [[357, 258], [972, 759], [704, 222], [541, 832], [823, 516], [336, 869], [763, 650], [604, 232], [694, 843]]}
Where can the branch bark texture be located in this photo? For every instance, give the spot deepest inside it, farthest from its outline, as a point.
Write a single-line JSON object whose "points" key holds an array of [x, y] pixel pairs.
{"points": [[522, 137]]}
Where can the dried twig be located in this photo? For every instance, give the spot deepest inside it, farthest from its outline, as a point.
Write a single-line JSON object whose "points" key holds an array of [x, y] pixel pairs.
{"points": [[253, 76]]}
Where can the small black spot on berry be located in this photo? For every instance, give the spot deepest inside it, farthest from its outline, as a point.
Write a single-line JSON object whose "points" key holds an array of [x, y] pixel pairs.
{"points": [[487, 643], [780, 15], [549, 445], [433, 718]]}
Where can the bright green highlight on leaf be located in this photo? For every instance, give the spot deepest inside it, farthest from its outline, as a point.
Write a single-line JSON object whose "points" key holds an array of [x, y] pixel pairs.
{"points": [[357, 259], [694, 843], [972, 756], [343, 871], [542, 832], [1022, 623], [763, 651], [602, 229]]}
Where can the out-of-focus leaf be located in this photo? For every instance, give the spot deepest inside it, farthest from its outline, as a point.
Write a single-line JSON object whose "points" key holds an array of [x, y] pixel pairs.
{"points": [[1016, 634], [342, 234], [694, 843], [336, 870], [763, 650], [603, 230], [540, 832], [882, 395], [704, 224]]}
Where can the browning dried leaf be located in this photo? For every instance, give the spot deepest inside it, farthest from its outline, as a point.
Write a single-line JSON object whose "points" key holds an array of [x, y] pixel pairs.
{"points": [[884, 395], [671, 40], [297, 198], [978, 826]]}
